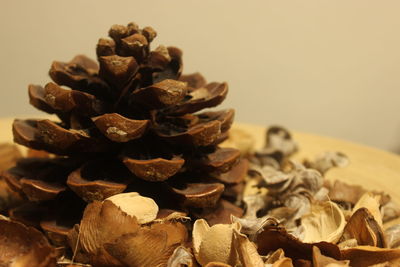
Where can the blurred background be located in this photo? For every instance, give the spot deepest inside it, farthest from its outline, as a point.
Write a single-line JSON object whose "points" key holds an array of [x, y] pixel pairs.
{"points": [[328, 67]]}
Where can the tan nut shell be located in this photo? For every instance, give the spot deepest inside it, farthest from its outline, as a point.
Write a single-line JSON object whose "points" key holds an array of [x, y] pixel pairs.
{"points": [[143, 208], [214, 244]]}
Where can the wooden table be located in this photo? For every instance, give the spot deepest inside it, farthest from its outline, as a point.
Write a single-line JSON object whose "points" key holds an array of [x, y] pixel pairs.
{"points": [[370, 167]]}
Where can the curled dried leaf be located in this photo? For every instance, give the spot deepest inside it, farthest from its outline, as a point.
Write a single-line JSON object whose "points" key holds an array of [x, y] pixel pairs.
{"points": [[325, 222]]}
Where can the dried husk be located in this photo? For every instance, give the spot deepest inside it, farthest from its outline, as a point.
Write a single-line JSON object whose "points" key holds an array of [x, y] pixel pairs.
{"points": [[146, 247], [22, 246], [320, 260], [325, 222], [143, 208], [246, 250], [215, 243], [94, 231], [273, 238], [181, 256], [393, 236], [363, 227], [371, 202], [362, 256]]}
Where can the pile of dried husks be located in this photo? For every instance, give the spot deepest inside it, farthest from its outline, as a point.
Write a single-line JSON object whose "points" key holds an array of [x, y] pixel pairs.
{"points": [[133, 174]]}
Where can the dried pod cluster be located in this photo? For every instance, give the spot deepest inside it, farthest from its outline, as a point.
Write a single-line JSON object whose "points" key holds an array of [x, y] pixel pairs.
{"points": [[122, 176]]}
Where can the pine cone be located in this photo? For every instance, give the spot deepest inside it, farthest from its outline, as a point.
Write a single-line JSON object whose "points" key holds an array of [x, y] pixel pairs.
{"points": [[129, 123]]}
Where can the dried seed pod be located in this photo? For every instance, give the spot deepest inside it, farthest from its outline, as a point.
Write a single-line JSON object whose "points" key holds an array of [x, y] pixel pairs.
{"points": [[392, 235], [181, 256], [320, 260], [324, 223], [247, 251], [214, 244], [370, 202], [24, 246], [342, 192], [366, 256], [94, 232], [273, 238], [363, 227], [143, 208]]}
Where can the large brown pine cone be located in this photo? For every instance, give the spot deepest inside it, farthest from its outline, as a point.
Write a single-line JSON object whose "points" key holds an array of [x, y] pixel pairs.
{"points": [[129, 123]]}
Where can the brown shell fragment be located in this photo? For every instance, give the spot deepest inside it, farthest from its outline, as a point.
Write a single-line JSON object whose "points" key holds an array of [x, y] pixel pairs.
{"points": [[98, 180], [66, 100], [273, 238], [117, 70], [159, 95], [120, 129], [362, 256], [363, 227], [208, 96], [94, 231], [153, 170], [146, 247], [24, 246], [200, 195], [246, 250], [343, 192], [320, 260]]}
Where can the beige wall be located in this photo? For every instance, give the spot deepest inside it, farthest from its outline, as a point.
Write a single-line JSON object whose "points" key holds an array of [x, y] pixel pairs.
{"points": [[329, 67]]}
